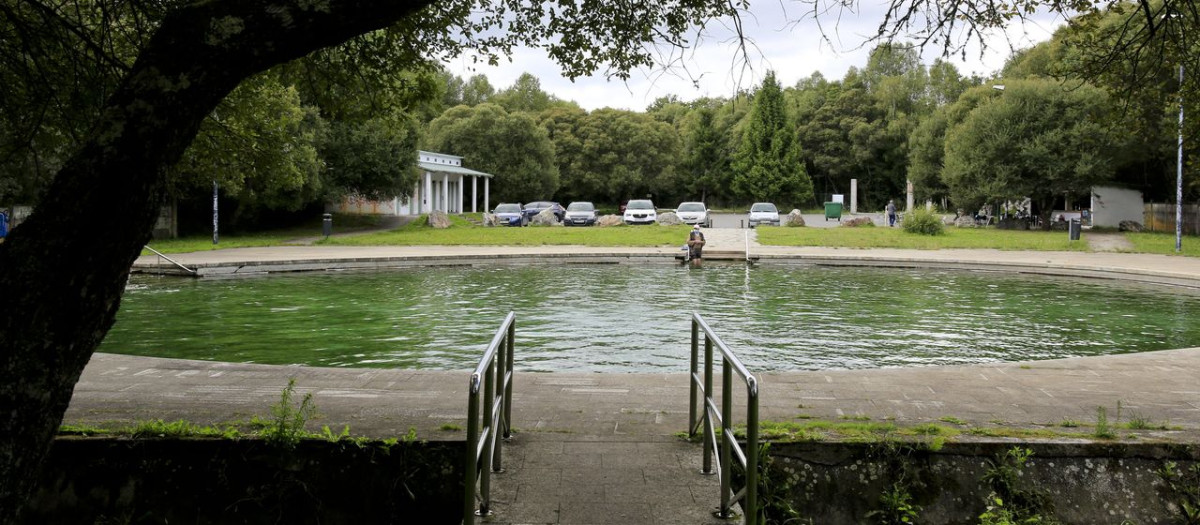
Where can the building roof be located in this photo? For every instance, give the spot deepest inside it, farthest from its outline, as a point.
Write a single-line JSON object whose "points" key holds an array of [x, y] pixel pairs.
{"points": [[452, 170]]}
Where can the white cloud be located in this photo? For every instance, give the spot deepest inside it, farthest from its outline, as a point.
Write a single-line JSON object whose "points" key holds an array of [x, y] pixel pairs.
{"points": [[713, 68]]}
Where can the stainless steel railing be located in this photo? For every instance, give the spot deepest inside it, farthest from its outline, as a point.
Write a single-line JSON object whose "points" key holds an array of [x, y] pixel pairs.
{"points": [[729, 450], [170, 260], [484, 454]]}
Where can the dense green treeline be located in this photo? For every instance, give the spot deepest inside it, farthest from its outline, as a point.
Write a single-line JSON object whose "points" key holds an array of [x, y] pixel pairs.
{"points": [[347, 120]]}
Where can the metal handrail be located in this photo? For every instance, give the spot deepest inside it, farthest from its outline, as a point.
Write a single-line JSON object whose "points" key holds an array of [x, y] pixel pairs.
{"points": [[170, 260], [728, 450], [483, 454]]}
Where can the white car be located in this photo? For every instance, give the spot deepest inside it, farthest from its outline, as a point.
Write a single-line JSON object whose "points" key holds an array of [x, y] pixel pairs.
{"points": [[764, 213], [640, 212], [694, 213]]}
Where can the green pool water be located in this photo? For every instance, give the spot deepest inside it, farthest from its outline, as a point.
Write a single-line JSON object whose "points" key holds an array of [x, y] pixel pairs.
{"points": [[631, 319]]}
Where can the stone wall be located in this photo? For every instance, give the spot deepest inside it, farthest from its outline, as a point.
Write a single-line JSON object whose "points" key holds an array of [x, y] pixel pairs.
{"points": [[106, 480], [1087, 483]]}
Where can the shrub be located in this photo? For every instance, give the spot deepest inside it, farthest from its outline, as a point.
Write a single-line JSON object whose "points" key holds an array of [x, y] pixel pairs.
{"points": [[923, 222]]}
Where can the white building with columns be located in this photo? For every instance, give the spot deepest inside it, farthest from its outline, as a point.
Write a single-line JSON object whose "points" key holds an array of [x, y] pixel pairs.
{"points": [[442, 186]]}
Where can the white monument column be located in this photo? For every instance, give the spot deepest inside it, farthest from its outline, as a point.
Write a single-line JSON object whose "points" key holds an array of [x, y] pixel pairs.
{"points": [[853, 196], [487, 205], [427, 198], [414, 202], [458, 186], [909, 201], [446, 193], [474, 191]]}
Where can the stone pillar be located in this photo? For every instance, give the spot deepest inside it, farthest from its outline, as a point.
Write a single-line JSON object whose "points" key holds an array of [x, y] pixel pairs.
{"points": [[427, 197], [487, 205], [853, 196], [414, 202], [459, 186], [474, 192], [446, 193], [909, 200]]}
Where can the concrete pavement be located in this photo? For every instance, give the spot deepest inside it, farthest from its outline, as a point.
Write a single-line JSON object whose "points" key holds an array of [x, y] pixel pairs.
{"points": [[600, 448]]}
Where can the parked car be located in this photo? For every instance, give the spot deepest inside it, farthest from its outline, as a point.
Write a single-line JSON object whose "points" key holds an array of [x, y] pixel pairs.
{"points": [[640, 211], [763, 213], [536, 207], [580, 213], [694, 213], [509, 214]]}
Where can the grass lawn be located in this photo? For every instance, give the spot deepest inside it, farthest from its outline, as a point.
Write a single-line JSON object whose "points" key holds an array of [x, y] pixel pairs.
{"points": [[202, 243], [1163, 243], [878, 237], [463, 233]]}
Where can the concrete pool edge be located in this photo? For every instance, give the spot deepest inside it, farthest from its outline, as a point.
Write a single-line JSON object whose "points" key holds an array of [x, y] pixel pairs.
{"points": [[1148, 268]]}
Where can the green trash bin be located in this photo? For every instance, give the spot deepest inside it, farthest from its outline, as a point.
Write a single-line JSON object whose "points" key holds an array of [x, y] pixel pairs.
{"points": [[833, 210]]}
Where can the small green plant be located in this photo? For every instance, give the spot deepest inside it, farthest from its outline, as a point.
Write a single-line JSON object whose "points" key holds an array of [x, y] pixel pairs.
{"points": [[286, 429], [328, 434], [1009, 503], [450, 427], [897, 507], [1069, 423], [923, 222], [1103, 431], [177, 429], [774, 490], [411, 436], [1184, 485], [952, 420], [855, 417]]}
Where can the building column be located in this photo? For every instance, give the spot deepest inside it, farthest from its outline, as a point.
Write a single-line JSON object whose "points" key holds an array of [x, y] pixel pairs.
{"points": [[446, 193], [459, 187], [414, 206], [487, 205], [474, 192], [853, 196], [426, 198]]}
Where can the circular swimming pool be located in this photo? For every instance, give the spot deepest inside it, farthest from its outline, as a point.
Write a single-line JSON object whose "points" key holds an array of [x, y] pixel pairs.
{"points": [[631, 319]]}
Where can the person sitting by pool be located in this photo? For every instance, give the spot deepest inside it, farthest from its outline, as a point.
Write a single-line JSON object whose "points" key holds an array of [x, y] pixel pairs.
{"points": [[695, 245]]}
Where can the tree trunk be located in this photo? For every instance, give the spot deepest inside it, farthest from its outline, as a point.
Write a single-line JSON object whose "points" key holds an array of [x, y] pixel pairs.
{"points": [[62, 272]]}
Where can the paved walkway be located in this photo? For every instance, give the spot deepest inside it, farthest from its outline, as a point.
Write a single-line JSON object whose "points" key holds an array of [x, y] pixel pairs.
{"points": [[601, 448]]}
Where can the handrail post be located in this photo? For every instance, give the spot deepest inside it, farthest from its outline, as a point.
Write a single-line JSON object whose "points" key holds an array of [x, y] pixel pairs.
{"points": [[497, 418], [708, 389], [472, 473], [692, 377], [509, 377], [489, 398], [726, 437], [750, 506]]}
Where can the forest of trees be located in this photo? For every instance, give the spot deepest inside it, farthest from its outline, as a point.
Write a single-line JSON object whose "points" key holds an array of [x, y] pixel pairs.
{"points": [[312, 131]]}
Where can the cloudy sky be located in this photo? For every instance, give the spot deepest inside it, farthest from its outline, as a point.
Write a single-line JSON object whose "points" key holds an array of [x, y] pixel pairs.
{"points": [[794, 50]]}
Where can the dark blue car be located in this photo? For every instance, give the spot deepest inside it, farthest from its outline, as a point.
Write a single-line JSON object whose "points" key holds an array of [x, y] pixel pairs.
{"points": [[536, 207], [509, 215]]}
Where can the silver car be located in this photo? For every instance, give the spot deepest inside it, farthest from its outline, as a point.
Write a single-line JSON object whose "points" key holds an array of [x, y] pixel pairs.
{"points": [[763, 213], [580, 213], [694, 213]]}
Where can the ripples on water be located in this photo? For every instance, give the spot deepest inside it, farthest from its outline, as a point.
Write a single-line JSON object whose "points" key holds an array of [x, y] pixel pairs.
{"points": [[629, 319]]}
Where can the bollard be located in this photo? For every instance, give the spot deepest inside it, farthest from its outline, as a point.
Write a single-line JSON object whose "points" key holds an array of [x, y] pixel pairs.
{"points": [[1073, 228], [327, 224]]}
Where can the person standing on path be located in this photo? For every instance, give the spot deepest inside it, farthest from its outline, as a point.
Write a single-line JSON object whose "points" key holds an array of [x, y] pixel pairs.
{"points": [[695, 245], [891, 212]]}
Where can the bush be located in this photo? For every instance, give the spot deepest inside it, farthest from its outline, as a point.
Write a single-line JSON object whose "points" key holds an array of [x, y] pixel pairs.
{"points": [[923, 222]]}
